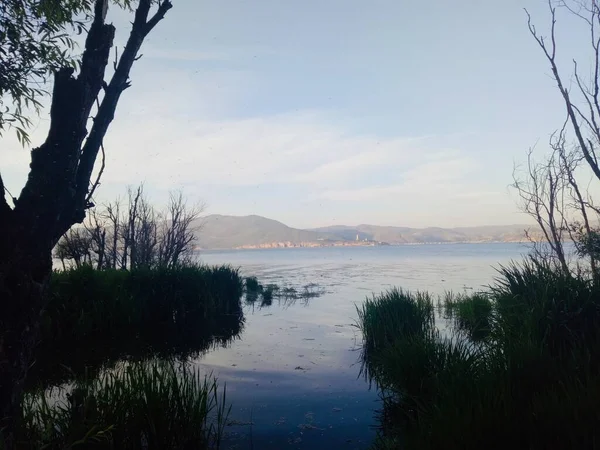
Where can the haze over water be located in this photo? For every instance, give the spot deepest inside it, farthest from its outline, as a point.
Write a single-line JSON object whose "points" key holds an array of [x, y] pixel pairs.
{"points": [[294, 373]]}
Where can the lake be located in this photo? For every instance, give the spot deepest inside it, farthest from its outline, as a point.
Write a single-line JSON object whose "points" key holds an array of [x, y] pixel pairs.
{"points": [[293, 376]]}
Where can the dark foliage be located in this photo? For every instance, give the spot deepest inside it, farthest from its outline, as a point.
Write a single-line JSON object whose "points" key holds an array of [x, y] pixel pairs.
{"points": [[117, 314], [530, 382]]}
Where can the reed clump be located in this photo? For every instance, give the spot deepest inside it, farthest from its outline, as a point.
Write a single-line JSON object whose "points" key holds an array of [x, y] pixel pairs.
{"points": [[144, 405], [517, 369]]}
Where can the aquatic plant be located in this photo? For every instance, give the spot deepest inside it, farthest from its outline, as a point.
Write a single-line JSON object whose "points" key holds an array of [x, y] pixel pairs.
{"points": [[390, 315], [252, 285], [286, 296], [471, 314], [153, 404], [267, 296], [530, 384]]}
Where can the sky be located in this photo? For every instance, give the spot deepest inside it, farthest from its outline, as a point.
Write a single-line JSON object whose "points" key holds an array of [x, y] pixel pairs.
{"points": [[323, 112]]}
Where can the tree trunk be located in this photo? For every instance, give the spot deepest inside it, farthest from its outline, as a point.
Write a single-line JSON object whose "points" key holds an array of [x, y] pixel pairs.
{"points": [[24, 276], [56, 195]]}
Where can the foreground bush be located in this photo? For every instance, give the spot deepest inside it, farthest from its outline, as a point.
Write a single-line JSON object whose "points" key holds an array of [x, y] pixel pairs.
{"points": [[151, 405], [530, 382]]}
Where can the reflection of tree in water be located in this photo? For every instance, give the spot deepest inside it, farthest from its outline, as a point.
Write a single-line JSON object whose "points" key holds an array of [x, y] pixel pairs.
{"points": [[265, 296], [58, 362], [96, 318]]}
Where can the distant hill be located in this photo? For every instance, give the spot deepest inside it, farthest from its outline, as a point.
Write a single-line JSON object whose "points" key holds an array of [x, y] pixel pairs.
{"points": [[405, 235], [226, 232], [221, 232]]}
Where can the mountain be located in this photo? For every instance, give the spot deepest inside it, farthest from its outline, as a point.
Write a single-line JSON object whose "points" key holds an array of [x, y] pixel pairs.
{"points": [[225, 232], [221, 232], [405, 235]]}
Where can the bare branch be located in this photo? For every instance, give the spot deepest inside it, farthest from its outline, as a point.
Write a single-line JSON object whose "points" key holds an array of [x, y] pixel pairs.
{"points": [[100, 172], [542, 196], [577, 13], [164, 6], [587, 151], [118, 83], [591, 122]]}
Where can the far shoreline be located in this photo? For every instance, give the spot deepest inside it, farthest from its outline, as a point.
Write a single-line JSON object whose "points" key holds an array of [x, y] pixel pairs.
{"points": [[310, 247]]}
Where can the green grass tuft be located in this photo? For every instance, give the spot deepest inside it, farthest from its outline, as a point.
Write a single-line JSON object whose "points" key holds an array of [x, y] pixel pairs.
{"points": [[154, 405], [472, 314], [384, 318]]}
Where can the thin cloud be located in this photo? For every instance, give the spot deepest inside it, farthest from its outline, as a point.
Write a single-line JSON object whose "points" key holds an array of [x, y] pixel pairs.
{"points": [[441, 178]]}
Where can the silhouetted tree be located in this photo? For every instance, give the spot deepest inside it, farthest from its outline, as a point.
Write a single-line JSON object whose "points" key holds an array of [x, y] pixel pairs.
{"points": [[141, 237], [76, 245], [34, 42], [178, 232], [59, 185], [552, 191]]}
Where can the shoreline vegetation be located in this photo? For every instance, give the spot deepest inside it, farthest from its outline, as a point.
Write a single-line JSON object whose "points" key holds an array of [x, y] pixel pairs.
{"points": [[128, 382], [149, 404], [513, 367]]}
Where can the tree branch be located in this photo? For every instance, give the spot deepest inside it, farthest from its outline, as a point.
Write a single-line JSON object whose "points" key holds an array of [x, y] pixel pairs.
{"points": [[45, 205], [165, 6], [551, 56], [5, 208], [118, 83], [97, 182]]}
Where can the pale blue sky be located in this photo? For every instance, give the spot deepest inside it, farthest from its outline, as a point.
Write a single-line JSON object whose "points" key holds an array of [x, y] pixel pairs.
{"points": [[392, 112]]}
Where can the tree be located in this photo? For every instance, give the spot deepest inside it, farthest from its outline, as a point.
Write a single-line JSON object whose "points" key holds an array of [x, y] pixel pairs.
{"points": [[552, 191], [541, 193], [140, 237], [177, 231], [34, 42], [57, 191], [75, 245]]}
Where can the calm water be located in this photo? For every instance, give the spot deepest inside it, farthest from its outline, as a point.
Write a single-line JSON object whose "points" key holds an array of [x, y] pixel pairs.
{"points": [[293, 376]]}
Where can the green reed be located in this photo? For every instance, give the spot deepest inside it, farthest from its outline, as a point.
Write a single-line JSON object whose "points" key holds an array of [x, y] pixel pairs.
{"points": [[145, 405], [471, 314], [518, 368]]}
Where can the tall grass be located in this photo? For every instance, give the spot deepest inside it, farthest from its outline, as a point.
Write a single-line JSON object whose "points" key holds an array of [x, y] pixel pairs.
{"points": [[385, 317], [471, 314], [532, 382], [98, 317], [554, 310], [150, 405]]}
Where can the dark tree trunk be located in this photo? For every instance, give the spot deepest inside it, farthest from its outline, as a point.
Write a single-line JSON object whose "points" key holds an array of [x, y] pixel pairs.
{"points": [[24, 274], [56, 196]]}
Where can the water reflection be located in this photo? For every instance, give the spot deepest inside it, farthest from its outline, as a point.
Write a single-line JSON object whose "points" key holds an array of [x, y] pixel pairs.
{"points": [[298, 363], [59, 361], [293, 373]]}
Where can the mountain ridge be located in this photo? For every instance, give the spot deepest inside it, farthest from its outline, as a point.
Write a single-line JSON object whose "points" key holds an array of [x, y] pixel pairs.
{"points": [[218, 231]]}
